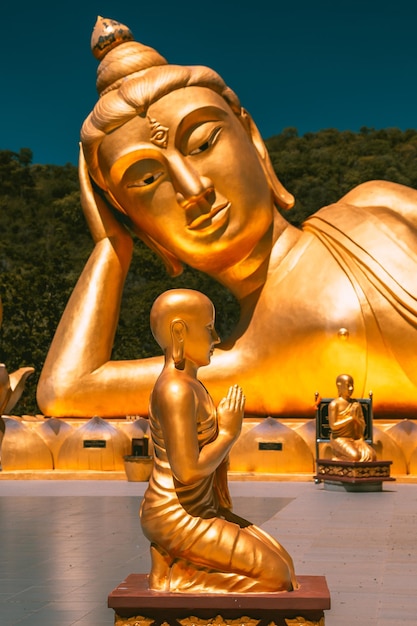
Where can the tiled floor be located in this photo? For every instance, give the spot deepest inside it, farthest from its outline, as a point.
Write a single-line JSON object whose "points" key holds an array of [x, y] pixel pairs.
{"points": [[64, 545]]}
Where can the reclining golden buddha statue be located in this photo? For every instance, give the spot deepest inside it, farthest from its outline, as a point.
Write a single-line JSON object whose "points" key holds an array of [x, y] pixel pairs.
{"points": [[169, 153]]}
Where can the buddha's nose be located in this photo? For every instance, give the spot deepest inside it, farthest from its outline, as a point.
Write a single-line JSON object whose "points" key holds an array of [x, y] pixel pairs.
{"points": [[190, 186]]}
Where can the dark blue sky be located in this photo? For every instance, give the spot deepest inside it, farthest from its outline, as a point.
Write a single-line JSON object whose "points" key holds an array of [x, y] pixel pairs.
{"points": [[311, 65]]}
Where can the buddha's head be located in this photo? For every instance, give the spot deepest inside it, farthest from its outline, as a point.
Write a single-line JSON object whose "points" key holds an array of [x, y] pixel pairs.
{"points": [[172, 149]]}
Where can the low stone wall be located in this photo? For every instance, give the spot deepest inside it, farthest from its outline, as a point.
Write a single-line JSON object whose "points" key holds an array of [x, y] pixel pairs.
{"points": [[267, 446]]}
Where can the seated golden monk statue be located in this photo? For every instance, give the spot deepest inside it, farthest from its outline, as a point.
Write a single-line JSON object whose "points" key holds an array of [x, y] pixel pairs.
{"points": [[197, 543], [347, 425], [169, 153]]}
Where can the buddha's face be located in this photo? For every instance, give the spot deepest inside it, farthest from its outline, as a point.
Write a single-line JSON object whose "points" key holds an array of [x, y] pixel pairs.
{"points": [[189, 176]]}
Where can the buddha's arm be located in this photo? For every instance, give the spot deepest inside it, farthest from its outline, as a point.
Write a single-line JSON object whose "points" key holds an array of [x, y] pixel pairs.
{"points": [[78, 379]]}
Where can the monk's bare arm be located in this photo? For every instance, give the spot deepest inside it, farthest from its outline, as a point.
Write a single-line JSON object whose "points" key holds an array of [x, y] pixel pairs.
{"points": [[177, 408], [334, 418]]}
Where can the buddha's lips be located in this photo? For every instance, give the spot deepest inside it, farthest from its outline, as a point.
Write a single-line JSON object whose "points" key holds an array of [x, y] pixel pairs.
{"points": [[215, 218]]}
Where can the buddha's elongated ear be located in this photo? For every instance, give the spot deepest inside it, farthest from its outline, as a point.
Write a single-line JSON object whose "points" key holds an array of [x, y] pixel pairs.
{"points": [[178, 329], [282, 197]]}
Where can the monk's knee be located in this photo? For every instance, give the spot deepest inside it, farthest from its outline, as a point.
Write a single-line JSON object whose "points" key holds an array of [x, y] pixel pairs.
{"points": [[278, 574]]}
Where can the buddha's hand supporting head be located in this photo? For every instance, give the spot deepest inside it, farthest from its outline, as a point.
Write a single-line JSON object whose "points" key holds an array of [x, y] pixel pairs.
{"points": [[102, 220]]}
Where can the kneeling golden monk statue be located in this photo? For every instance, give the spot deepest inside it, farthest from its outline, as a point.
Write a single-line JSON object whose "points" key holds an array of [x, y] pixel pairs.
{"points": [[347, 425], [197, 543]]}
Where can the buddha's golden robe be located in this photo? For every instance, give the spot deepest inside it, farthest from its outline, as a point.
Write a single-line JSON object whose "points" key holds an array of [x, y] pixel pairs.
{"points": [[197, 543], [376, 253], [376, 250]]}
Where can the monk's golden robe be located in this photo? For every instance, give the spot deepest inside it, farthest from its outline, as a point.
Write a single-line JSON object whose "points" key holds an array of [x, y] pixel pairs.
{"points": [[347, 437], [197, 543]]}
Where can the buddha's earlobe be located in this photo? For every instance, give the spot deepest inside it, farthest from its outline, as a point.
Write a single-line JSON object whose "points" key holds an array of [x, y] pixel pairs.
{"points": [[177, 336], [282, 197]]}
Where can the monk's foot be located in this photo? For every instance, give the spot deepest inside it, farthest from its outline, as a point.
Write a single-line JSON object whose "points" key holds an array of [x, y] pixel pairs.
{"points": [[160, 569]]}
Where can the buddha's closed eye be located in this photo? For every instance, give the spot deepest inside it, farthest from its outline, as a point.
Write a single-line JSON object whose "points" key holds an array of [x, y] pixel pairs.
{"points": [[147, 179], [211, 140]]}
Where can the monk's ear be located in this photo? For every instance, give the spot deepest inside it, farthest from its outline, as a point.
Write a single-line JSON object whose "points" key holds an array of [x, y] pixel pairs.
{"points": [[282, 197], [178, 330]]}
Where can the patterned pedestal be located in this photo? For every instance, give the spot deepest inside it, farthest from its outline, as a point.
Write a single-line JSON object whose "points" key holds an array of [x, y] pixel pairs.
{"points": [[135, 605], [353, 475]]}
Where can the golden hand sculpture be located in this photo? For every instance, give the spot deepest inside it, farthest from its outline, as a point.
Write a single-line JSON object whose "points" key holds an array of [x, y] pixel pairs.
{"points": [[347, 425], [11, 388], [11, 385], [197, 543], [169, 151]]}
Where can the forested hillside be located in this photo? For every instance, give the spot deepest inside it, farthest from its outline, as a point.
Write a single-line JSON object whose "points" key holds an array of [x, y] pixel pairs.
{"points": [[44, 241]]}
